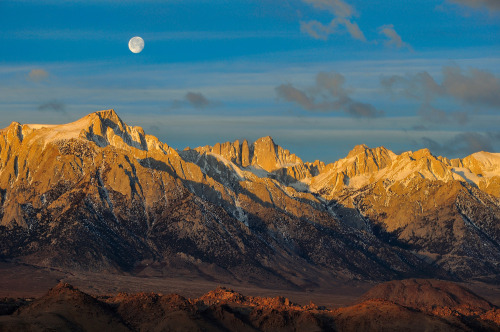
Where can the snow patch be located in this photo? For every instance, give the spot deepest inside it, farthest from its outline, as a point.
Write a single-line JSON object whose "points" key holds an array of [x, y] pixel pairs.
{"points": [[232, 166], [487, 158], [359, 181], [257, 171], [466, 174], [300, 186], [242, 216]]}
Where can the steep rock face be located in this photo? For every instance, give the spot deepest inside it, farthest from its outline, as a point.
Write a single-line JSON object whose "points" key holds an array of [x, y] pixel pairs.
{"points": [[450, 223], [364, 166], [263, 154], [97, 194], [270, 156], [482, 169], [357, 169], [425, 204], [447, 212]]}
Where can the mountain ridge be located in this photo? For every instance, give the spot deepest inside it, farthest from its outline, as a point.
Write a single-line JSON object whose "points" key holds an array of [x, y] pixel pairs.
{"points": [[106, 128], [98, 194]]}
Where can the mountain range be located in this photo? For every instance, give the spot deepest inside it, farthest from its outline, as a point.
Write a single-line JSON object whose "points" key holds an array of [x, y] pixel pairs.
{"points": [[99, 195]]}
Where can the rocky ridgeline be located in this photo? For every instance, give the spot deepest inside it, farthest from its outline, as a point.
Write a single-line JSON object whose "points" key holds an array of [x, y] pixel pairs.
{"points": [[409, 305], [97, 194]]}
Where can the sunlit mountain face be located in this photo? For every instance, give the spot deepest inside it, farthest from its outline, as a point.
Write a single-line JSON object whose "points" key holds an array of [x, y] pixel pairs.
{"points": [[99, 195]]}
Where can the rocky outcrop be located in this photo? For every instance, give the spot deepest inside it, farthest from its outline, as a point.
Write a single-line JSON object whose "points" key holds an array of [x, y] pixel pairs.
{"points": [[410, 305]]}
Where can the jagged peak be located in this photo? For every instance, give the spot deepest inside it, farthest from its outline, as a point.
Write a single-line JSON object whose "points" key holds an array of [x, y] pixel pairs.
{"points": [[263, 153], [104, 118], [484, 163], [264, 140], [15, 129], [102, 127], [107, 128], [270, 156], [361, 148], [14, 124], [423, 153], [365, 150], [108, 114]]}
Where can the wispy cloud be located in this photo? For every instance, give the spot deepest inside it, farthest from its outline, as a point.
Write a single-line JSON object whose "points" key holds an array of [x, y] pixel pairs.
{"points": [[327, 95], [472, 88], [338, 8], [38, 75], [195, 100], [318, 30], [75, 34], [53, 106], [476, 87], [343, 20], [431, 114], [462, 144], [393, 38], [493, 5]]}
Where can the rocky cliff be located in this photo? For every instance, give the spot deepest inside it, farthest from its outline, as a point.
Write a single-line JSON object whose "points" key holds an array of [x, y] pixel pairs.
{"points": [[98, 194]]}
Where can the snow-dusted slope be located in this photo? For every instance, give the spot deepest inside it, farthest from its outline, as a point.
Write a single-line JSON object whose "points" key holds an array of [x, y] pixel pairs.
{"points": [[364, 166], [103, 128]]}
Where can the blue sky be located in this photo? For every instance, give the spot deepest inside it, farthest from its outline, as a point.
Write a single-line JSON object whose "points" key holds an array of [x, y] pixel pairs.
{"points": [[319, 76]]}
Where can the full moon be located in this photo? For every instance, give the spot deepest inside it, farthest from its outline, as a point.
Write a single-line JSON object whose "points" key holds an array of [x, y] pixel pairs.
{"points": [[136, 44]]}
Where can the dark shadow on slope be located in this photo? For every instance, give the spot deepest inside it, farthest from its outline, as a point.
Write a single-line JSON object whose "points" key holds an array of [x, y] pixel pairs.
{"points": [[347, 241], [329, 226], [391, 238]]}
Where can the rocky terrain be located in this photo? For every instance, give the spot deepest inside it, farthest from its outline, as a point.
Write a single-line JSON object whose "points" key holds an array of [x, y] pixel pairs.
{"points": [[410, 305], [99, 195]]}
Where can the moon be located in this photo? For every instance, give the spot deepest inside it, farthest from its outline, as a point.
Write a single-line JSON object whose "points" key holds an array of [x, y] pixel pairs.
{"points": [[136, 44]]}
